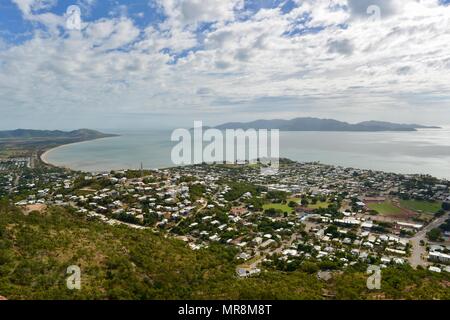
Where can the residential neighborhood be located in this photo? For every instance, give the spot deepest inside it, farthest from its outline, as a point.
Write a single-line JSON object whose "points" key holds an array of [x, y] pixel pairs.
{"points": [[307, 213]]}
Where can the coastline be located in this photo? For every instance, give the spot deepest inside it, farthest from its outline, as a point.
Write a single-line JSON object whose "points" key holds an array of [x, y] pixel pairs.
{"points": [[107, 163], [43, 154]]}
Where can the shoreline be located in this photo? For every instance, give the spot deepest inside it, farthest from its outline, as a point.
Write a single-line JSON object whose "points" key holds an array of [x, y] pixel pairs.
{"points": [[43, 154]]}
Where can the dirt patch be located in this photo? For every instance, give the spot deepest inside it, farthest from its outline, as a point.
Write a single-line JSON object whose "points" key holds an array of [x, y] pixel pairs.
{"points": [[34, 207], [403, 214], [406, 213]]}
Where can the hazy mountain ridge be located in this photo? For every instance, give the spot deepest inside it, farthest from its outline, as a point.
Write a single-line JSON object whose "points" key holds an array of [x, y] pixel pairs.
{"points": [[30, 134], [316, 124]]}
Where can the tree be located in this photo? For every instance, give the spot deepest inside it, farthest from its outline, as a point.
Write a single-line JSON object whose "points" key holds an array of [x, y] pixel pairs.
{"points": [[304, 202], [276, 196], [333, 230], [445, 226], [440, 213], [434, 234], [150, 218], [309, 267], [272, 212], [292, 204]]}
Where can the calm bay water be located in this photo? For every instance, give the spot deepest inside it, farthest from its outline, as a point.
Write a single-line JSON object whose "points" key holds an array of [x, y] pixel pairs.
{"points": [[425, 151]]}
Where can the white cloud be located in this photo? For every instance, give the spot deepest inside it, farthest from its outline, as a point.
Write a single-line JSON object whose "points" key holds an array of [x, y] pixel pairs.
{"points": [[29, 6], [382, 68], [31, 11], [192, 12]]}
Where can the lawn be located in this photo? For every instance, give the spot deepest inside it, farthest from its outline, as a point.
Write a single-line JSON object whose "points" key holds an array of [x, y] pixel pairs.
{"points": [[319, 205], [278, 206], [421, 206], [385, 208]]}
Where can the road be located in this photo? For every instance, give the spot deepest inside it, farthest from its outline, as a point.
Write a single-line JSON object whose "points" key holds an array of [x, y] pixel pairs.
{"points": [[262, 254], [190, 215], [418, 251], [15, 183]]}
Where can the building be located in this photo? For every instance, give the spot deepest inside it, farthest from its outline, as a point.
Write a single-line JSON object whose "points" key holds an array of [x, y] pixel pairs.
{"points": [[244, 272], [412, 226], [439, 257], [434, 269]]}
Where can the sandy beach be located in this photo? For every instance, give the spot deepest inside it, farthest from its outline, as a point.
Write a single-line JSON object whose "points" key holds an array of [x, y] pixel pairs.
{"points": [[44, 156]]}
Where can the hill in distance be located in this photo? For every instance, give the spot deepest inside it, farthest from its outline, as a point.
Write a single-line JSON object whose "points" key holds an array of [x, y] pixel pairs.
{"points": [[84, 134], [316, 124]]}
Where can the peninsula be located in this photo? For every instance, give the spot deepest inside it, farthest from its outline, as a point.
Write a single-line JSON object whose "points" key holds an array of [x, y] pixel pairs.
{"points": [[33, 143]]}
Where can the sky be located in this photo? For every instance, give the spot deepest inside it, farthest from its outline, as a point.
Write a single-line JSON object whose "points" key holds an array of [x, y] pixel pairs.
{"points": [[143, 64]]}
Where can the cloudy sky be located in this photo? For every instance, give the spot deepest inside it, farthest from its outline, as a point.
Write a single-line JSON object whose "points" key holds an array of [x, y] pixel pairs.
{"points": [[159, 63]]}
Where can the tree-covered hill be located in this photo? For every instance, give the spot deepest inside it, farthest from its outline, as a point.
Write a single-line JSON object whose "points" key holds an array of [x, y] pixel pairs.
{"points": [[123, 263]]}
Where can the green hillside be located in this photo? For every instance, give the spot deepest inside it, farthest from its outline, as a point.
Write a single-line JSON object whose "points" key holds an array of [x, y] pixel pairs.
{"points": [[123, 263]]}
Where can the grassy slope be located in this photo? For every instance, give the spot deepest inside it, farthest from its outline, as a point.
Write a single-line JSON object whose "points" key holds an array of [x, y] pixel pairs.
{"points": [[123, 263]]}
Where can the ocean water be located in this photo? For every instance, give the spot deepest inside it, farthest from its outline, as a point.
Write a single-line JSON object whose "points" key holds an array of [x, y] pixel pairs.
{"points": [[425, 151]]}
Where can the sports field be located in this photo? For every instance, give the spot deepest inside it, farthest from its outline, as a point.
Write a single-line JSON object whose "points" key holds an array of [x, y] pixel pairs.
{"points": [[278, 206], [385, 208], [421, 206]]}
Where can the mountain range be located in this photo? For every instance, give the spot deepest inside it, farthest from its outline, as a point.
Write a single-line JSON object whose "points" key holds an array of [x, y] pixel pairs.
{"points": [[316, 124]]}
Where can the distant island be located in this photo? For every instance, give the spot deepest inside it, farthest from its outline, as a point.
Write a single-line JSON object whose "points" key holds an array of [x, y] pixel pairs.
{"points": [[316, 124], [33, 143]]}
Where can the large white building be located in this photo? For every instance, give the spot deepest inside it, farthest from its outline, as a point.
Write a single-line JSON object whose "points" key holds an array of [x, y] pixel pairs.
{"points": [[439, 257]]}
